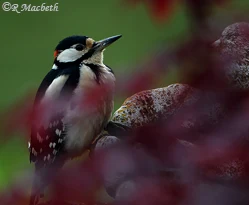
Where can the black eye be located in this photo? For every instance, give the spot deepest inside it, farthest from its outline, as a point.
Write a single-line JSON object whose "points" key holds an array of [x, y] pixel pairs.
{"points": [[79, 47]]}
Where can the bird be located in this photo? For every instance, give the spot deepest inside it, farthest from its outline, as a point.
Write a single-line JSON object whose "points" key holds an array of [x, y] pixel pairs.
{"points": [[65, 124]]}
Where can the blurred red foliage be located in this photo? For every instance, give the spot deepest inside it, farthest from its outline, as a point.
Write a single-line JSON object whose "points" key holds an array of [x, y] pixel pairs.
{"points": [[197, 155], [162, 9]]}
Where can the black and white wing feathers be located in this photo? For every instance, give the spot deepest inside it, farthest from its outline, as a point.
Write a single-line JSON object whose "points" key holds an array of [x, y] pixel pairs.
{"points": [[47, 142]]}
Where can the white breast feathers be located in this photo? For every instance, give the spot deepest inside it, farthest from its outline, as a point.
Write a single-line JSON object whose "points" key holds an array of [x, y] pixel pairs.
{"points": [[87, 119]]}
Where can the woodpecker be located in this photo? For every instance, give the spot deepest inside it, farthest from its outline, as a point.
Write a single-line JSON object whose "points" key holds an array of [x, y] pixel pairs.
{"points": [[69, 126]]}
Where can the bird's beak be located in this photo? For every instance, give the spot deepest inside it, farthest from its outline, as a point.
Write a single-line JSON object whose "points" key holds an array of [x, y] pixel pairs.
{"points": [[102, 44]]}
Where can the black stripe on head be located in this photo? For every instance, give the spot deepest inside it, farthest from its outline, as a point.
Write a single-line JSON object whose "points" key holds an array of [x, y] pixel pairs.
{"points": [[62, 65], [69, 41], [65, 65]]}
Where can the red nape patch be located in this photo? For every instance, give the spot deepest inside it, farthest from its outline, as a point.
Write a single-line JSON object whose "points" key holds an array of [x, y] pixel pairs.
{"points": [[55, 53]]}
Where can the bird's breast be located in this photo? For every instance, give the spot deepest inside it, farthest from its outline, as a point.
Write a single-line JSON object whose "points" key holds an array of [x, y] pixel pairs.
{"points": [[92, 110], [84, 124]]}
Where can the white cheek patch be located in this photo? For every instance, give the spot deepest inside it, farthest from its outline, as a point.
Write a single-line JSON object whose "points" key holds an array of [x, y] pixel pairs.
{"points": [[69, 55]]}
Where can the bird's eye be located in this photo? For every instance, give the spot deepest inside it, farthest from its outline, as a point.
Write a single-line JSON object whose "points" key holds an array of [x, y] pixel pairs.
{"points": [[79, 47]]}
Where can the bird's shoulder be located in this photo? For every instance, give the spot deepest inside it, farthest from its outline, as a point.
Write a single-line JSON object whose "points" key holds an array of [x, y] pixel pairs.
{"points": [[71, 71], [47, 139]]}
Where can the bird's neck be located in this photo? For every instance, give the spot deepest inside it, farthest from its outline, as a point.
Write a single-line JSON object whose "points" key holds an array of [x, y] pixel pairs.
{"points": [[96, 69], [95, 74], [96, 59]]}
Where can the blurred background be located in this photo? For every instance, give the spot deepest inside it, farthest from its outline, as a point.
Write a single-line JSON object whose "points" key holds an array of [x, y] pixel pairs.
{"points": [[29, 38]]}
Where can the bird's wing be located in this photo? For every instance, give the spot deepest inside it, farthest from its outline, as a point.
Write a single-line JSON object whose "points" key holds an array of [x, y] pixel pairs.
{"points": [[45, 150], [47, 141]]}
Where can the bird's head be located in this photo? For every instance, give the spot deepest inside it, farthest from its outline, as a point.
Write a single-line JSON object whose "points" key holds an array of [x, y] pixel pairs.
{"points": [[78, 49]]}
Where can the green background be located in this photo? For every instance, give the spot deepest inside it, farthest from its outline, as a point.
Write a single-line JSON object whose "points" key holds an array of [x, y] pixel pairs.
{"points": [[28, 40]]}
